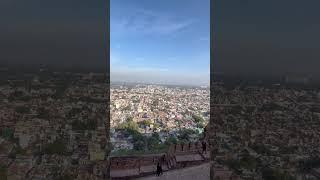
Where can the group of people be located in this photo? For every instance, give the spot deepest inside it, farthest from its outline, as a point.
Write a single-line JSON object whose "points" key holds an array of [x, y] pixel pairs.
{"points": [[159, 165]]}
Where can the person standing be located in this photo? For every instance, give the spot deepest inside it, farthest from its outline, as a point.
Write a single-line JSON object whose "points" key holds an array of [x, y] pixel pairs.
{"points": [[159, 169], [204, 147]]}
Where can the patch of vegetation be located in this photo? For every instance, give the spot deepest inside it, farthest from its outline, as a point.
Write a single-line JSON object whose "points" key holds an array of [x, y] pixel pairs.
{"points": [[57, 147], [186, 135], [142, 143], [129, 125], [7, 133], [153, 142], [171, 140], [199, 121], [145, 123], [126, 152]]}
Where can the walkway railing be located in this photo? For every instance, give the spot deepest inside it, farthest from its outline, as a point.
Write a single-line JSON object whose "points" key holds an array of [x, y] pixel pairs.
{"points": [[140, 165]]}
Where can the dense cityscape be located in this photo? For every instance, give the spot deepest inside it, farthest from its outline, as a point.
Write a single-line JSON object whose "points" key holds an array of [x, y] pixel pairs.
{"points": [[169, 113], [52, 125], [267, 132]]}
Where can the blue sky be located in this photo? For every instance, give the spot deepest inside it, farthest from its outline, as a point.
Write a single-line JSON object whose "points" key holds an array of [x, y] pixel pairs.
{"points": [[165, 41]]}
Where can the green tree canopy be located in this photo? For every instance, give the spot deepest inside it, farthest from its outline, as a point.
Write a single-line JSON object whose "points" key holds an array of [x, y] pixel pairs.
{"points": [[171, 140], [146, 122], [197, 118], [129, 125]]}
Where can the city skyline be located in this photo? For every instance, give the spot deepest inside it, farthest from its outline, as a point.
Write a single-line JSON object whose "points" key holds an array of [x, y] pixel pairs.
{"points": [[174, 42]]}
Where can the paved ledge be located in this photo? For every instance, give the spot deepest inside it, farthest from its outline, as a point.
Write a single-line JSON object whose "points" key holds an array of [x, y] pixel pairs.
{"points": [[201, 172]]}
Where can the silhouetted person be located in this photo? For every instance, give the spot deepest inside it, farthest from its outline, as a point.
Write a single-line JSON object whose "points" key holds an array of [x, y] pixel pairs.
{"points": [[159, 169], [163, 158], [204, 147]]}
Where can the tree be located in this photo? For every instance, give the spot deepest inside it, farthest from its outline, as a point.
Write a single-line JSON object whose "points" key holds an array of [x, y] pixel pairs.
{"points": [[138, 140], [171, 140], [145, 124], [153, 141], [200, 125], [197, 119], [185, 135], [129, 125], [138, 145]]}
